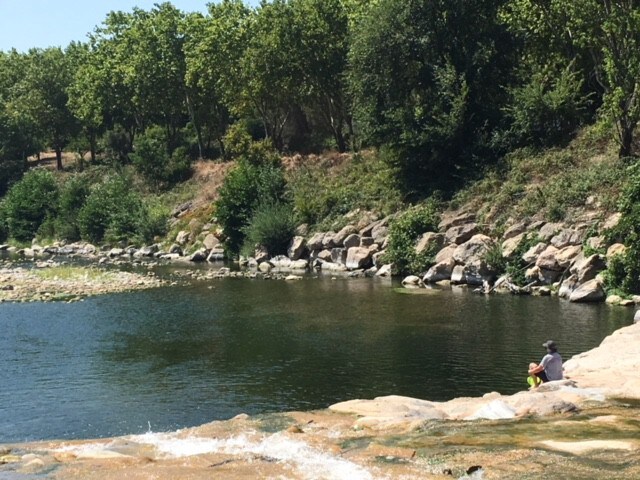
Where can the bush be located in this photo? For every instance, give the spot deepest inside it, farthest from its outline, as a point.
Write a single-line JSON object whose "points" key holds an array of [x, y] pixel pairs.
{"points": [[247, 186], [272, 227], [29, 203], [10, 172], [515, 267], [404, 232], [153, 161], [4, 233], [73, 196], [113, 211], [116, 145]]}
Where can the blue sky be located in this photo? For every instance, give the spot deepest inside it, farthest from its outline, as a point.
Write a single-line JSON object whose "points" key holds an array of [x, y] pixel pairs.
{"points": [[26, 24]]}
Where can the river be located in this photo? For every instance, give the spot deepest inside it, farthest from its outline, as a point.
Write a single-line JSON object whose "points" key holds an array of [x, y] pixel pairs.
{"points": [[181, 356]]}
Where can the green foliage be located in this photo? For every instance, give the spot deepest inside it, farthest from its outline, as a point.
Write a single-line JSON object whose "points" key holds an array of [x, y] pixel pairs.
{"points": [[514, 266], [29, 203], [257, 179], [404, 232], [272, 226], [544, 112], [116, 145], [73, 195], [365, 182], [153, 161], [115, 211], [495, 259]]}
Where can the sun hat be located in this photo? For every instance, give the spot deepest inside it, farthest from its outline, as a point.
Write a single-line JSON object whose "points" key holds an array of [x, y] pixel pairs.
{"points": [[550, 344]]}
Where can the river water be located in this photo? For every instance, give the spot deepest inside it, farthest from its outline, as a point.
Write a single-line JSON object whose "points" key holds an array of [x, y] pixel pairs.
{"points": [[181, 356]]}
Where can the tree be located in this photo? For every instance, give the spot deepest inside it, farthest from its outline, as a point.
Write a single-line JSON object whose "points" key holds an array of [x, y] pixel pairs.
{"points": [[426, 78]]}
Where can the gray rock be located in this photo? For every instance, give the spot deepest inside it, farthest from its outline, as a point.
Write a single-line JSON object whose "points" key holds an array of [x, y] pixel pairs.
{"points": [[216, 255], [210, 241], [616, 249], [302, 230], [116, 252], [182, 238], [548, 277], [568, 286], [281, 262], [565, 256], [3, 247], [261, 254], [378, 258], [176, 249], [315, 242], [352, 240], [612, 221], [325, 255], [532, 254], [265, 267], [440, 271], [380, 233], [385, 270], [567, 237], [462, 233], [339, 255], [366, 242], [148, 251], [429, 241], [636, 317], [338, 238], [327, 241], [590, 291], [548, 231], [457, 275], [473, 250], [511, 244], [586, 269], [300, 264], [446, 253], [596, 243], [199, 255], [547, 259], [514, 230], [412, 281], [297, 248], [455, 219], [477, 273], [333, 267], [358, 257]]}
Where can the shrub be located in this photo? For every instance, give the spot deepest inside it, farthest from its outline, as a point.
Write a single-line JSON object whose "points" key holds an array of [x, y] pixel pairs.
{"points": [[248, 185], [73, 196], [272, 227], [116, 145], [10, 172], [405, 231], [4, 233], [153, 161], [113, 210], [515, 267], [29, 203]]}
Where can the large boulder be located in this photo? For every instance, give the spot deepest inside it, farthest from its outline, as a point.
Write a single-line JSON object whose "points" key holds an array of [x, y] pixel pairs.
{"points": [[182, 238], [461, 234], [175, 249], [514, 230], [473, 250], [281, 262], [366, 242], [568, 286], [327, 240], [440, 271], [446, 253], [216, 255], [511, 244], [549, 230], [531, 255], [590, 291], [455, 219], [325, 255], [567, 237], [339, 238], [199, 255], [547, 259], [297, 248], [429, 241], [587, 268], [352, 240], [378, 258], [210, 241], [457, 275], [358, 257], [315, 242], [565, 256], [478, 272], [148, 251], [339, 255], [412, 281], [380, 233]]}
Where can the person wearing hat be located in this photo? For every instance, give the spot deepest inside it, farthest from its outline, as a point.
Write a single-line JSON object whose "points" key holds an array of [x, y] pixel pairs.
{"points": [[550, 367]]}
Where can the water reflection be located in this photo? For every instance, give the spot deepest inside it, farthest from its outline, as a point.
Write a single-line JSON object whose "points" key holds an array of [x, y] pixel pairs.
{"points": [[187, 355]]}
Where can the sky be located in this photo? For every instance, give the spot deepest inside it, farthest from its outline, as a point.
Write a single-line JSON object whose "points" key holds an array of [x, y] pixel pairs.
{"points": [[26, 24]]}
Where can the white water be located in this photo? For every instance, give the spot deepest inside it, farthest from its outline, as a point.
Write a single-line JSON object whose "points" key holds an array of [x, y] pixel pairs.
{"points": [[306, 461]]}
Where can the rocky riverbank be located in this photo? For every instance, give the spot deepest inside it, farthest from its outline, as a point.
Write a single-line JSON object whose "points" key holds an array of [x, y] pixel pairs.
{"points": [[584, 427]]}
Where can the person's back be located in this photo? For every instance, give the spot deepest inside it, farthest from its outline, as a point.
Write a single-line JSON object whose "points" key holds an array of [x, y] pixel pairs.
{"points": [[552, 364]]}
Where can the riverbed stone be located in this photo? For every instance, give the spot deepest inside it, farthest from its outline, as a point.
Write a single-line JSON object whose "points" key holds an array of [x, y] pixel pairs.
{"points": [[385, 270], [412, 281], [473, 250], [590, 291], [457, 275], [358, 257], [429, 241], [461, 234], [116, 252], [297, 248], [199, 255], [217, 255], [440, 271]]}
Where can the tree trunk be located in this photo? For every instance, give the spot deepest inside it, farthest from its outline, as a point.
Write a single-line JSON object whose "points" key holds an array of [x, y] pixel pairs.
{"points": [[58, 158], [626, 141]]}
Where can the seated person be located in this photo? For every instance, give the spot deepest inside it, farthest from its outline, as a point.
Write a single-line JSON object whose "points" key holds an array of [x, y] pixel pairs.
{"points": [[533, 380], [550, 367]]}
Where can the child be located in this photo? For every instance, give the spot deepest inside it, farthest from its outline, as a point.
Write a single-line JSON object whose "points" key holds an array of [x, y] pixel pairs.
{"points": [[533, 380]]}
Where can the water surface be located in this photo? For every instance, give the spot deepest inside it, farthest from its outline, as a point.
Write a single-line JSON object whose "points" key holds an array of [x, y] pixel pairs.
{"points": [[182, 356]]}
